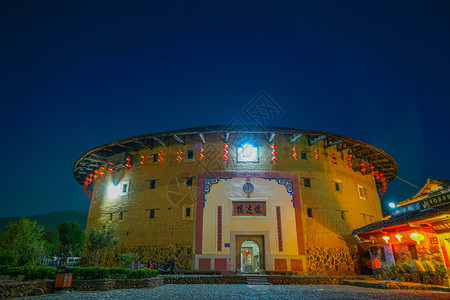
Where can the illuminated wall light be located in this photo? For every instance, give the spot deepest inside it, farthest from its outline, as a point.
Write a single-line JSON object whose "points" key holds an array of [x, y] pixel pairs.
{"points": [[398, 236], [114, 191], [247, 153], [417, 237], [386, 239]]}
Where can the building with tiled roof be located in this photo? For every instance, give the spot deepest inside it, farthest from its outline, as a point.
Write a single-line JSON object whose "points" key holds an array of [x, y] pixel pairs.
{"points": [[246, 198], [418, 228]]}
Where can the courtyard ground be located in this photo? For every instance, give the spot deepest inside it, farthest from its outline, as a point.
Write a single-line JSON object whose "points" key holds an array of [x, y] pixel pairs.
{"points": [[242, 291]]}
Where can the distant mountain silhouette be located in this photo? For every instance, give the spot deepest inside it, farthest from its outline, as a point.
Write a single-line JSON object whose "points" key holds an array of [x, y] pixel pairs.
{"points": [[51, 220]]}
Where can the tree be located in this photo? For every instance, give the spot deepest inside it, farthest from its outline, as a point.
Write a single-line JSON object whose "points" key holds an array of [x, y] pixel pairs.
{"points": [[24, 241], [71, 237], [100, 239]]}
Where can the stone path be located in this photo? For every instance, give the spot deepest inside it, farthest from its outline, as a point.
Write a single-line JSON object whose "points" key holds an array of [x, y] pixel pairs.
{"points": [[241, 291]]}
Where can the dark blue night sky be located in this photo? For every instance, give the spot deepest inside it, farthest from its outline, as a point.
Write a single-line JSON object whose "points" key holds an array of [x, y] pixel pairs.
{"points": [[79, 74]]}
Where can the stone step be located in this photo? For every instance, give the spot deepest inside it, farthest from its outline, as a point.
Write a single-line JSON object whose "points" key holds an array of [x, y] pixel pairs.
{"points": [[257, 280]]}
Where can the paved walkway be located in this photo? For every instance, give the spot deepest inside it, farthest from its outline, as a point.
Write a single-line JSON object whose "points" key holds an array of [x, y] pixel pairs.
{"points": [[241, 291]]}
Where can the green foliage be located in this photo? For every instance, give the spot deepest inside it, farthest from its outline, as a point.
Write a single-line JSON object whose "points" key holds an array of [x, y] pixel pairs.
{"points": [[88, 273], [25, 240], [7, 257], [98, 240], [410, 273], [127, 258], [30, 272], [71, 237]]}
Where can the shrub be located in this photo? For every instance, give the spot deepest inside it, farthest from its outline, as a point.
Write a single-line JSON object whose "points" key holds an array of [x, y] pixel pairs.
{"points": [[30, 272], [127, 258], [101, 273]]}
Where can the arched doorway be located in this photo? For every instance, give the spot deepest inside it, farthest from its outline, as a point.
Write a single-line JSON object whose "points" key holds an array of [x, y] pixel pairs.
{"points": [[250, 257]]}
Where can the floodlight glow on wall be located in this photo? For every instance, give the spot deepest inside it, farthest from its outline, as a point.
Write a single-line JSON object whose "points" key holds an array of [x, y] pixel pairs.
{"points": [[114, 191], [247, 153]]}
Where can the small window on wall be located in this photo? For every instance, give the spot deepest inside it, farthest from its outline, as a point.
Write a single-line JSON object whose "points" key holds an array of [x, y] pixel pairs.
{"points": [[307, 182], [125, 188], [152, 213], [338, 186], [189, 181], [110, 217], [361, 192], [187, 213], [152, 184], [155, 157], [303, 155], [121, 215], [309, 212], [342, 215], [190, 154]]}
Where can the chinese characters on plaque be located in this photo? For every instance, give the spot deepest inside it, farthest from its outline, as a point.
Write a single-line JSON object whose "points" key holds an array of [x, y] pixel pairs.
{"points": [[247, 208]]}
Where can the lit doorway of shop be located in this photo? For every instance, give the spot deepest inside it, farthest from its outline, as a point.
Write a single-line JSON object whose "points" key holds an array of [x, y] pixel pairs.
{"points": [[250, 257]]}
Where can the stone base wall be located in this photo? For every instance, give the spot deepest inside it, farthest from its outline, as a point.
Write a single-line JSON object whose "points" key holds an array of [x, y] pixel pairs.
{"points": [[332, 261], [35, 288], [11, 289], [115, 284]]}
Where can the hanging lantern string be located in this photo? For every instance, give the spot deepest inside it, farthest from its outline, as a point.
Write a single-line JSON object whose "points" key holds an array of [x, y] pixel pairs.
{"points": [[386, 171]]}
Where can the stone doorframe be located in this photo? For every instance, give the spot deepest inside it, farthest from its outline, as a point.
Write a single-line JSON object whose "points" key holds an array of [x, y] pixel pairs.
{"points": [[236, 240]]}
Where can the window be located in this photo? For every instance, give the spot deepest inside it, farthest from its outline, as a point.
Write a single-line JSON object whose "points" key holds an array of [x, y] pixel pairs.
{"points": [[342, 215], [338, 187], [188, 212], [152, 184], [110, 217], [303, 155], [190, 154], [152, 213], [361, 192], [307, 182], [189, 181], [121, 215], [125, 187], [309, 212], [155, 157]]}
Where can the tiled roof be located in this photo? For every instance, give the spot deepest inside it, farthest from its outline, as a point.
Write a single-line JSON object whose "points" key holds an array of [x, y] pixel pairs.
{"points": [[405, 218]]}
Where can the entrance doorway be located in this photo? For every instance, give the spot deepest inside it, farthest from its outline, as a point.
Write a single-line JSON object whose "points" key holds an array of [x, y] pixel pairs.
{"points": [[250, 253]]}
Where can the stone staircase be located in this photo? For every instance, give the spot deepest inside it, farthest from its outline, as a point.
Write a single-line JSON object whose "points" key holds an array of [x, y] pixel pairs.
{"points": [[257, 280]]}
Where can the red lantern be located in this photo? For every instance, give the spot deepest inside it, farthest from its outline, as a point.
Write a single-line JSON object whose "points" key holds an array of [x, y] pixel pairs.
{"points": [[102, 168], [101, 173], [295, 155], [200, 154], [160, 157], [111, 163], [96, 172], [372, 238], [128, 165], [110, 169], [143, 156], [317, 156], [179, 158], [274, 154], [245, 252], [95, 177], [372, 167], [363, 170], [225, 153], [333, 158]]}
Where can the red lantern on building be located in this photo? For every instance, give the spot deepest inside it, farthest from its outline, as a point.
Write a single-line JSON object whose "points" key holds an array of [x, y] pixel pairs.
{"points": [[274, 154], [200, 153], [143, 157], [333, 158], [317, 156], [225, 153], [363, 169], [245, 252], [295, 155], [101, 173], [160, 157], [110, 168], [179, 158]]}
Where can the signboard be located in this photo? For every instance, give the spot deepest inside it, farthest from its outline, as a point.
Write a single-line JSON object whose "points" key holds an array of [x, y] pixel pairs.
{"points": [[437, 200], [247, 153], [227, 245], [249, 209]]}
